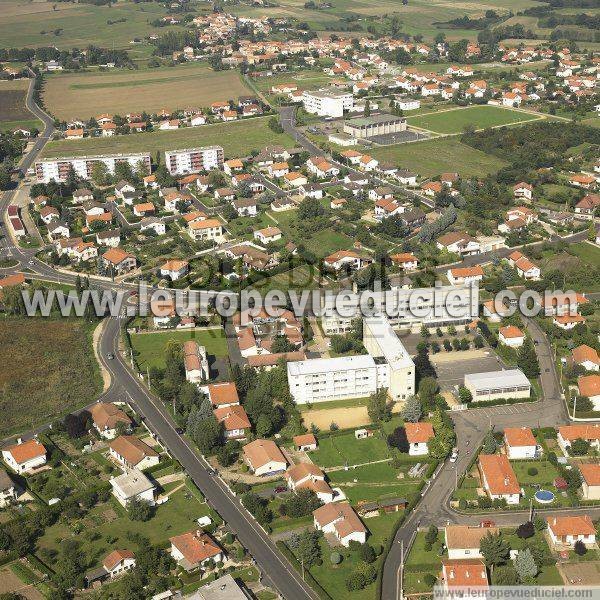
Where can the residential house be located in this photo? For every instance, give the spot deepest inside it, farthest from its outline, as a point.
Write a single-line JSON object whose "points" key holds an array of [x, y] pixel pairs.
{"points": [[464, 541], [567, 434], [132, 453], [340, 520], [236, 424], [309, 476], [586, 208], [458, 243], [523, 190], [175, 269], [520, 443], [119, 562], [344, 259], [207, 229], [463, 275], [9, 490], [133, 485], [155, 224], [590, 480], [498, 478], [418, 436], [196, 549], [195, 362], [511, 336], [465, 574], [107, 417], [24, 457], [264, 457], [305, 442], [586, 357], [405, 260], [118, 261], [268, 235], [589, 386], [565, 531]]}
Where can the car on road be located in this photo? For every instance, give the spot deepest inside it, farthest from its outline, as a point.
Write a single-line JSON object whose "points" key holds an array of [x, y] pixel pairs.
{"points": [[454, 455], [179, 430], [280, 489], [487, 523], [110, 356], [31, 262]]}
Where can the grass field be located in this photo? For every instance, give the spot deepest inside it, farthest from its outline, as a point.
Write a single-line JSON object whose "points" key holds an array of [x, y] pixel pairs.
{"points": [[31, 24], [150, 347], [86, 95], [51, 370], [433, 157], [338, 450], [238, 139], [454, 121]]}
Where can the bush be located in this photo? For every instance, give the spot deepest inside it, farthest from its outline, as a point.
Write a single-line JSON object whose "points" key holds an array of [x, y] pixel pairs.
{"points": [[367, 554], [429, 580], [579, 548], [532, 471], [335, 558], [462, 504], [526, 530]]}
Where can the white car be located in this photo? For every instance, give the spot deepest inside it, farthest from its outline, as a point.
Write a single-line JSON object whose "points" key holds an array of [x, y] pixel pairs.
{"points": [[454, 455]]}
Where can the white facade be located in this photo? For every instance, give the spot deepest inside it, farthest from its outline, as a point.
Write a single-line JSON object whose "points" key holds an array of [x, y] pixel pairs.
{"points": [[326, 103], [58, 169], [132, 485], [494, 385], [194, 160]]}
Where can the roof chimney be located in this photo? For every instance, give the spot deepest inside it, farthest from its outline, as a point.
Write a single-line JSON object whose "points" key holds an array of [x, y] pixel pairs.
{"points": [[506, 481]]}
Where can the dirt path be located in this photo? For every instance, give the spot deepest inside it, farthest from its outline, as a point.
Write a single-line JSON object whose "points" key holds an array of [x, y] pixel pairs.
{"points": [[96, 343]]}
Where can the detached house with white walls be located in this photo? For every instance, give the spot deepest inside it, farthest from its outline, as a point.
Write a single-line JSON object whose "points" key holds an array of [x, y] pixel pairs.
{"points": [[418, 436], [340, 519], [565, 531], [498, 478], [24, 457], [520, 443]]}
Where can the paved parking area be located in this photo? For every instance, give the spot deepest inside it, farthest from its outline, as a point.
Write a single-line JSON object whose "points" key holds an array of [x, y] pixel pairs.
{"points": [[398, 138], [451, 367]]}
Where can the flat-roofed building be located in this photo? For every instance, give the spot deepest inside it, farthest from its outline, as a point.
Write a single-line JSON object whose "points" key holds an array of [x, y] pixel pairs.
{"points": [[59, 169], [493, 385], [365, 127], [327, 103], [194, 160]]}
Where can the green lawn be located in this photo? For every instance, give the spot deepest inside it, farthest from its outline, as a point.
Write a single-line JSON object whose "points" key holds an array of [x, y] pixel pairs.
{"points": [[149, 347], [337, 450], [421, 561], [454, 121], [237, 139], [432, 157], [587, 253], [107, 526]]}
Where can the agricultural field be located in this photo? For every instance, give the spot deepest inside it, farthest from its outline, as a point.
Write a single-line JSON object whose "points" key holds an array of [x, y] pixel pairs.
{"points": [[149, 348], [417, 17], [66, 25], [454, 121], [51, 371], [85, 95], [237, 138], [432, 157], [580, 263], [13, 112], [304, 79]]}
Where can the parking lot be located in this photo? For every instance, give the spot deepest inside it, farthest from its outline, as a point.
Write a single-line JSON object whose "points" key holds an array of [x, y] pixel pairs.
{"points": [[398, 138], [452, 366]]}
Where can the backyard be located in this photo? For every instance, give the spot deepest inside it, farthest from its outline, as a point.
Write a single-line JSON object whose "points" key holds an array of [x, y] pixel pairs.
{"points": [[149, 348]]}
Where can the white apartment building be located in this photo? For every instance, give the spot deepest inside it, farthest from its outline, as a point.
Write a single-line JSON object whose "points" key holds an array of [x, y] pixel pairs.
{"points": [[325, 379], [388, 365], [194, 160], [327, 103], [407, 309], [58, 169]]}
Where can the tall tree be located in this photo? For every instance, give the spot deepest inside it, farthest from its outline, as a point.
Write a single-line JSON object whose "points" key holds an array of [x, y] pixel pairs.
{"points": [[525, 566], [494, 549], [412, 410]]}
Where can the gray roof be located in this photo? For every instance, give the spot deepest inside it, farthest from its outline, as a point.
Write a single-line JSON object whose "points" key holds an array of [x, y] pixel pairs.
{"points": [[132, 483], [497, 379], [224, 588], [373, 120]]}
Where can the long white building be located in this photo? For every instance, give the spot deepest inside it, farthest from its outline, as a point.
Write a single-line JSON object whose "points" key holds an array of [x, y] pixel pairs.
{"points": [[194, 160], [406, 309], [327, 103], [58, 169], [388, 365]]}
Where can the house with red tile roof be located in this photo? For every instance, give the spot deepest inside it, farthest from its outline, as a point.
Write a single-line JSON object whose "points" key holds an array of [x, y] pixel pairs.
{"points": [[107, 417], [589, 386], [460, 275], [587, 357], [498, 478], [118, 562], [340, 520], [132, 453], [305, 442], [307, 476], [26, 456], [194, 549], [264, 457], [590, 480], [234, 419], [405, 260], [465, 574], [567, 434], [520, 443], [511, 336], [418, 436], [565, 531], [195, 362]]}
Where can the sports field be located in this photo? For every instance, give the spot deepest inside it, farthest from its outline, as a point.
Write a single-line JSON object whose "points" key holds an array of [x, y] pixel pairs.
{"points": [[436, 156], [86, 95], [454, 121], [237, 138]]}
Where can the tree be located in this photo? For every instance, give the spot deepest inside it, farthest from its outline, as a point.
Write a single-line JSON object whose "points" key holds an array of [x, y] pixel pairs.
{"points": [[310, 208], [494, 549], [489, 443], [5, 179], [412, 410], [428, 388], [527, 359], [397, 439], [367, 553], [579, 548], [423, 366], [579, 447], [431, 537], [205, 433], [138, 510], [307, 549], [505, 575], [526, 530], [257, 507], [301, 504], [525, 566], [464, 395], [378, 408]]}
